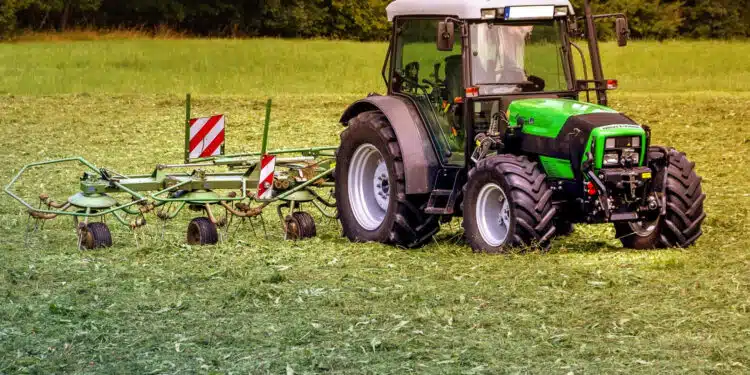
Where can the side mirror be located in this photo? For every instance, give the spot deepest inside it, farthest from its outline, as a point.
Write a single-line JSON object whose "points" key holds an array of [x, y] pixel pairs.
{"points": [[446, 36], [573, 28], [623, 31]]}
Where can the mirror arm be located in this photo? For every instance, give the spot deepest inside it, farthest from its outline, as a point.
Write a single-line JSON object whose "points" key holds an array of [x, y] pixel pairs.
{"points": [[385, 64]]}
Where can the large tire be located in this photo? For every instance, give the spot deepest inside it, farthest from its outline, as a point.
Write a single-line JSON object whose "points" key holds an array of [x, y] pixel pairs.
{"points": [[96, 236], [528, 217], [681, 227], [369, 155]]}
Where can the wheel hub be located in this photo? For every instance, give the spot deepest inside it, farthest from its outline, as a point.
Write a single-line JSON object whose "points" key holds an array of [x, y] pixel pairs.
{"points": [[382, 187], [644, 228], [493, 215], [369, 187]]}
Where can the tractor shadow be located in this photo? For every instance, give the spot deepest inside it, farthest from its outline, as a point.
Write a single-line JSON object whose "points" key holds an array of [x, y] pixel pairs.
{"points": [[576, 243]]}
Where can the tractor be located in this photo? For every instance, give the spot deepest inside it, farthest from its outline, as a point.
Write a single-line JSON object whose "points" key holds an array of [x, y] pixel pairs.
{"points": [[486, 118]]}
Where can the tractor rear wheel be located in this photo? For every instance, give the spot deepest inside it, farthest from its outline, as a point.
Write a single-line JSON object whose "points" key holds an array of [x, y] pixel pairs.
{"points": [[370, 187], [681, 227], [202, 231], [508, 204]]}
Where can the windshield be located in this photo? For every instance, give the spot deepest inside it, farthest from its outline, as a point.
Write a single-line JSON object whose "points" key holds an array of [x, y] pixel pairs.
{"points": [[517, 58]]}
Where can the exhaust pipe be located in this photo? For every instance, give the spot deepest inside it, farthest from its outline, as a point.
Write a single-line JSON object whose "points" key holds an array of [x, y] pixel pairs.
{"points": [[596, 61]]}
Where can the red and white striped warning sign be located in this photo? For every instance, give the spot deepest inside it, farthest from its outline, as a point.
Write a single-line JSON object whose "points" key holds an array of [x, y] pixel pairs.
{"points": [[265, 182], [206, 136]]}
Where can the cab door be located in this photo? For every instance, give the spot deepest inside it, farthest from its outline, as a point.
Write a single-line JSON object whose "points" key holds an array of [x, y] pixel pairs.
{"points": [[433, 80]]}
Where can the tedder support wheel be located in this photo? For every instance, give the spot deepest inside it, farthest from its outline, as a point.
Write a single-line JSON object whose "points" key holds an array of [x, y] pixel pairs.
{"points": [[96, 236], [201, 231], [299, 226], [370, 188], [508, 204], [681, 226]]}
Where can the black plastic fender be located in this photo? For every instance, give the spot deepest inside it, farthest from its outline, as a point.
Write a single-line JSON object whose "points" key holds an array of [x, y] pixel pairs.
{"points": [[420, 160]]}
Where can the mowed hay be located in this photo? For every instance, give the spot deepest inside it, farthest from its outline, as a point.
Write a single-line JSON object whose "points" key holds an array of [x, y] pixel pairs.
{"points": [[256, 305]]}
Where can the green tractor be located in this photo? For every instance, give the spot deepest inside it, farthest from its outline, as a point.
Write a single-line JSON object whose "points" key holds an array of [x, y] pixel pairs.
{"points": [[484, 119]]}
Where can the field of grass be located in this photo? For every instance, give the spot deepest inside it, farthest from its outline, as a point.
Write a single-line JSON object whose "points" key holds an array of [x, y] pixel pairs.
{"points": [[256, 305]]}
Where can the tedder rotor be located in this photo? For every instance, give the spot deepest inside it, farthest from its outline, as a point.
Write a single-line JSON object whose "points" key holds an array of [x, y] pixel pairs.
{"points": [[219, 187]]}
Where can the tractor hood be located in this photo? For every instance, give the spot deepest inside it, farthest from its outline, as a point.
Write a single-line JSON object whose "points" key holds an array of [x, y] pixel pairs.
{"points": [[547, 117], [563, 129]]}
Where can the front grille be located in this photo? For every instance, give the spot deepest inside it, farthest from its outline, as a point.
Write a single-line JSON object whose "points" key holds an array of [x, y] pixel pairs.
{"points": [[624, 142]]}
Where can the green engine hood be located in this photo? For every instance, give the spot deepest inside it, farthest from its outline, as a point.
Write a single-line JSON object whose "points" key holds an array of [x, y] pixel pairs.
{"points": [[546, 117], [561, 132]]}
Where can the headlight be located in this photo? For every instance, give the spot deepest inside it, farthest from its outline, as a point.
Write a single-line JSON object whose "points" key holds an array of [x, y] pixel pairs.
{"points": [[636, 142], [489, 14], [611, 159], [629, 155], [611, 143]]}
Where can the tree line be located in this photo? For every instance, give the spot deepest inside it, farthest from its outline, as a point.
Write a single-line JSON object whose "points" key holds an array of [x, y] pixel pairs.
{"points": [[340, 19]]}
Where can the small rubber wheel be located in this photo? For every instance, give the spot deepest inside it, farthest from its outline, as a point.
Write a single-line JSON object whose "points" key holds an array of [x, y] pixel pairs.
{"points": [[299, 226], [201, 231], [96, 236]]}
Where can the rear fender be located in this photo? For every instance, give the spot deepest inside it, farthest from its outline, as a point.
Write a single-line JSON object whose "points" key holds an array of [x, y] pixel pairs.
{"points": [[420, 161]]}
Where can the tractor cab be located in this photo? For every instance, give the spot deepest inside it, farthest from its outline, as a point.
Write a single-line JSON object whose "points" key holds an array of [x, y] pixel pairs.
{"points": [[463, 62]]}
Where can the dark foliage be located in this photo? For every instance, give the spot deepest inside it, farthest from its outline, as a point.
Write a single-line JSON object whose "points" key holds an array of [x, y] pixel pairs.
{"points": [[345, 19]]}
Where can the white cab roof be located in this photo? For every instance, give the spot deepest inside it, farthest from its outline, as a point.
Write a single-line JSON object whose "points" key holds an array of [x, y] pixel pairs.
{"points": [[463, 9]]}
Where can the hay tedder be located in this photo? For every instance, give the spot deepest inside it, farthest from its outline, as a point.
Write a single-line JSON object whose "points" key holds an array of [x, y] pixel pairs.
{"points": [[218, 186]]}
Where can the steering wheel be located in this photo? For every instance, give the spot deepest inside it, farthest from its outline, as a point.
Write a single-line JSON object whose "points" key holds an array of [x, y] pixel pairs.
{"points": [[533, 84]]}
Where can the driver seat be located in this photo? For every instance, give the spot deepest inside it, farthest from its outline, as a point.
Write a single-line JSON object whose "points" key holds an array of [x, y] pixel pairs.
{"points": [[453, 73]]}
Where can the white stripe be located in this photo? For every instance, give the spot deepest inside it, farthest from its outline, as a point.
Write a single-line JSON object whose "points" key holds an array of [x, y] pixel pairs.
{"points": [[208, 139], [195, 128], [196, 153], [267, 170]]}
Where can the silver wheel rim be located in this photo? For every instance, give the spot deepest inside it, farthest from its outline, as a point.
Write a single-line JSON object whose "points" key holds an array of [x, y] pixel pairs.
{"points": [[644, 228], [369, 187], [493, 215]]}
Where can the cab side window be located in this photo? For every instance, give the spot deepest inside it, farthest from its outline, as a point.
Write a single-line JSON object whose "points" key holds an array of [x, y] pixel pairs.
{"points": [[433, 79]]}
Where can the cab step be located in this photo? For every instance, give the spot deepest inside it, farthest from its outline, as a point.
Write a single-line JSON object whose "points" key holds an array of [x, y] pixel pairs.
{"points": [[443, 197]]}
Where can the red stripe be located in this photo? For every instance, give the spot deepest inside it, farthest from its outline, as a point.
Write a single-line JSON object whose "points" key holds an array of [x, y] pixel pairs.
{"points": [[193, 121], [215, 144], [267, 159], [195, 141], [264, 161]]}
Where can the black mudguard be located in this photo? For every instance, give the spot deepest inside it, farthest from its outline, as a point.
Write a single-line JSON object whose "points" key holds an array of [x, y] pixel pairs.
{"points": [[420, 160]]}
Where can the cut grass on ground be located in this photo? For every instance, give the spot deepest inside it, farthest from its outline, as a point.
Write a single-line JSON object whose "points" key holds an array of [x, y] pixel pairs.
{"points": [[256, 305]]}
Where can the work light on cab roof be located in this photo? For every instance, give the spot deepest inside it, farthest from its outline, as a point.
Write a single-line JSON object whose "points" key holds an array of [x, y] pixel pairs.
{"points": [[482, 9]]}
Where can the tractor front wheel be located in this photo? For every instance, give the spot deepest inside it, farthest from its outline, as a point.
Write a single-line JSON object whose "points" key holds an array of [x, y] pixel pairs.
{"points": [[508, 204], [370, 187], [681, 226]]}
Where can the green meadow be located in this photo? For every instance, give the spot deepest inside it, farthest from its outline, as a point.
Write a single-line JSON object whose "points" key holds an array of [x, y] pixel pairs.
{"points": [[255, 304]]}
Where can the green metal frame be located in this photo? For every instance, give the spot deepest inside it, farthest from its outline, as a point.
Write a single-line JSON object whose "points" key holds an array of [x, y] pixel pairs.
{"points": [[200, 186]]}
